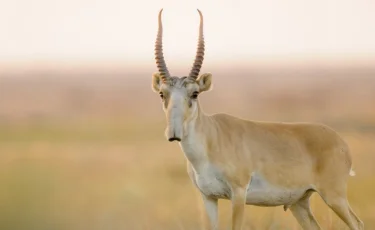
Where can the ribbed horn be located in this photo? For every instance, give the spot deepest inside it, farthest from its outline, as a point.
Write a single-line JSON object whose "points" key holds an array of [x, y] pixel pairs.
{"points": [[163, 70], [200, 51]]}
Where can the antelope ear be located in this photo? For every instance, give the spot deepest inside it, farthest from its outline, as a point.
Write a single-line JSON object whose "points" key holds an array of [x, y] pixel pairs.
{"points": [[204, 81], [156, 82]]}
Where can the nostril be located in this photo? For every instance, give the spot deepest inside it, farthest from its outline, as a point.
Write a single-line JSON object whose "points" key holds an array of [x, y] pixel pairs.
{"points": [[174, 139]]}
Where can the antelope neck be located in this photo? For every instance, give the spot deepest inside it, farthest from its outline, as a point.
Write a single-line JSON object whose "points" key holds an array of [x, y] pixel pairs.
{"points": [[194, 143]]}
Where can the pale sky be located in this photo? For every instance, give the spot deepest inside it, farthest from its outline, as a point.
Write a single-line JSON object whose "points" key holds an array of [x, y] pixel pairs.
{"points": [[126, 30]]}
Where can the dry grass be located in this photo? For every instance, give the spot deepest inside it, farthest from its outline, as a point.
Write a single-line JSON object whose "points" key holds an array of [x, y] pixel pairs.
{"points": [[92, 155]]}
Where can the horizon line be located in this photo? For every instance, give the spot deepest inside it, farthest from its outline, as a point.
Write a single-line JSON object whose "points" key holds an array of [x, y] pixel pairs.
{"points": [[40, 64]]}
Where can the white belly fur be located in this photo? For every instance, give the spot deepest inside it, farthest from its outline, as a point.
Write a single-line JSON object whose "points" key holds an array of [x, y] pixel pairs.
{"points": [[210, 182], [262, 193]]}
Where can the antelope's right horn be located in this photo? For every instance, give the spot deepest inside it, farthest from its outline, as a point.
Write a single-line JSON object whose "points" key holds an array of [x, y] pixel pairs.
{"points": [[163, 70]]}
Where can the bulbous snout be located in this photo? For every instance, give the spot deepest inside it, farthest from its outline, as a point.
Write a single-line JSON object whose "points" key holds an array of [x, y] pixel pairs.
{"points": [[175, 118], [174, 131]]}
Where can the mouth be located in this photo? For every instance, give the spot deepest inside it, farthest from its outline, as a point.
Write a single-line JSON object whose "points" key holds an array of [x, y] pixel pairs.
{"points": [[174, 139]]}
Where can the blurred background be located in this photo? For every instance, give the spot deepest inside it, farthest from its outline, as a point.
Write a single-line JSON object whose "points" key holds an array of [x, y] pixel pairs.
{"points": [[82, 141]]}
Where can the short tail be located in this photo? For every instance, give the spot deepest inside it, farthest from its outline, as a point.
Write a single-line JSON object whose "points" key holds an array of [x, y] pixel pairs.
{"points": [[351, 173]]}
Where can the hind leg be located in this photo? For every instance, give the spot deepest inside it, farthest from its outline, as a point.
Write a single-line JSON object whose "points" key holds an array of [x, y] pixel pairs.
{"points": [[302, 212], [360, 223], [337, 201]]}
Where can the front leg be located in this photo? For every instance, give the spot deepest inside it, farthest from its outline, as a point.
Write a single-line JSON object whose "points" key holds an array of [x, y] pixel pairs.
{"points": [[210, 216], [238, 207]]}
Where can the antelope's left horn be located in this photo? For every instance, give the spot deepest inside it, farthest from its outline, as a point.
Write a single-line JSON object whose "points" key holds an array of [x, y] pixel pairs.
{"points": [[200, 51]]}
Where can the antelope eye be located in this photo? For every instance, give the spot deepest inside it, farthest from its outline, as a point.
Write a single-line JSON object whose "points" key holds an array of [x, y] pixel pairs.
{"points": [[194, 95], [161, 95]]}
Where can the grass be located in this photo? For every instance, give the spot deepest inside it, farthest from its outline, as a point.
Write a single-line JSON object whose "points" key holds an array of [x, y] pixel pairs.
{"points": [[99, 176]]}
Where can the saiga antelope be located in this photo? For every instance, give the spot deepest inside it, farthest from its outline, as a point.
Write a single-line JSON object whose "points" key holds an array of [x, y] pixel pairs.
{"points": [[251, 162]]}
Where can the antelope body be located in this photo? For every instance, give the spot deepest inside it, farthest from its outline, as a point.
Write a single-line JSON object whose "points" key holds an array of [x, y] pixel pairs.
{"points": [[251, 162]]}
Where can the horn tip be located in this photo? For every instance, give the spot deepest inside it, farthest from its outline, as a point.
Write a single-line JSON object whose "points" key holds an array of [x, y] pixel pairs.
{"points": [[200, 13]]}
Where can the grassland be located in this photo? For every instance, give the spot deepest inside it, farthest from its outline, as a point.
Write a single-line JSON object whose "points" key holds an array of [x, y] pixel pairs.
{"points": [[89, 153]]}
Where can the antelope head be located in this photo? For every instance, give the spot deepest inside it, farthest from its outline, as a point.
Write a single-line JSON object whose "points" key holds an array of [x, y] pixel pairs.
{"points": [[179, 95]]}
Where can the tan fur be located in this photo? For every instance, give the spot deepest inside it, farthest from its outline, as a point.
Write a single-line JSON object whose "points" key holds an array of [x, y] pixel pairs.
{"points": [[258, 163]]}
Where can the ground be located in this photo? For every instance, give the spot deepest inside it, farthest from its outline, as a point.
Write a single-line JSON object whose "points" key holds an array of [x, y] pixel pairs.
{"points": [[91, 154]]}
